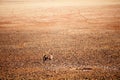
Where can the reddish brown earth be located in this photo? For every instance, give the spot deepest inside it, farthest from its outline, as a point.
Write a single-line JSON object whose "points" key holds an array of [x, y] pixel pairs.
{"points": [[84, 41]]}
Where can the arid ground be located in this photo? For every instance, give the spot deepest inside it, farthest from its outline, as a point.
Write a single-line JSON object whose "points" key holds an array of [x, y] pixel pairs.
{"points": [[84, 41]]}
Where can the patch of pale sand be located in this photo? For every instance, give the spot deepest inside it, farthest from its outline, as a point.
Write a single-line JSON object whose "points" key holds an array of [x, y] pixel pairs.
{"points": [[82, 68]]}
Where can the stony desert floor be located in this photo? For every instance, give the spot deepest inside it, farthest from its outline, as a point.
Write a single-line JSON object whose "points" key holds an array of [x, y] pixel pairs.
{"points": [[84, 42]]}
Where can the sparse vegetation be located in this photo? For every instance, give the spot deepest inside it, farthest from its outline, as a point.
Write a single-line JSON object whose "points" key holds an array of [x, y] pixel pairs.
{"points": [[85, 43]]}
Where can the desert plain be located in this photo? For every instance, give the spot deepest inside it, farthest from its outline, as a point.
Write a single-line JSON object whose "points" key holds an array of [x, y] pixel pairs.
{"points": [[83, 39]]}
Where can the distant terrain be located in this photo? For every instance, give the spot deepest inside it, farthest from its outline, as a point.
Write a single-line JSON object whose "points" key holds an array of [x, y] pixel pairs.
{"points": [[84, 42]]}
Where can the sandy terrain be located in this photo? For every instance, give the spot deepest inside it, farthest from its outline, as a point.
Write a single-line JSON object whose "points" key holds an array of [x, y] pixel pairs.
{"points": [[84, 42]]}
